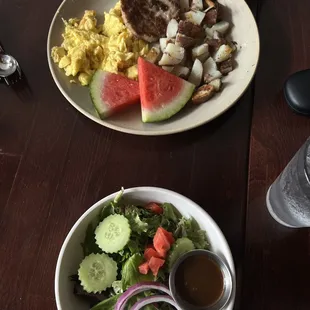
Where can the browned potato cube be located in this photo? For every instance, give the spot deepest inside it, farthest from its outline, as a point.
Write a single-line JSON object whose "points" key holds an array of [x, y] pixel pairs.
{"points": [[153, 55], [209, 4], [185, 41], [211, 17], [203, 94], [226, 66], [191, 30]]}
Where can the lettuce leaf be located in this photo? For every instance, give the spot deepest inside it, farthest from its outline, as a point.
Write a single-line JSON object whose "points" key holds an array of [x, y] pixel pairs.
{"points": [[136, 298], [112, 207], [135, 246], [106, 211], [134, 214], [117, 287], [170, 212], [121, 256], [137, 225], [89, 244], [153, 223], [107, 304], [189, 228], [131, 274], [119, 196]]}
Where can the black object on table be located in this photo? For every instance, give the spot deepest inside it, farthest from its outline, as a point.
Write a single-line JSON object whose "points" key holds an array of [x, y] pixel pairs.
{"points": [[297, 92]]}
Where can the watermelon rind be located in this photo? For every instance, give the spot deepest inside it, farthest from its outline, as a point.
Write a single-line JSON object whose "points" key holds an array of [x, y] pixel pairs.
{"points": [[169, 108], [95, 88]]}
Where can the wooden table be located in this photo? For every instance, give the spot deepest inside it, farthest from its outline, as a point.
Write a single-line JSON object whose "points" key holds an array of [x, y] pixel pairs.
{"points": [[55, 163]]}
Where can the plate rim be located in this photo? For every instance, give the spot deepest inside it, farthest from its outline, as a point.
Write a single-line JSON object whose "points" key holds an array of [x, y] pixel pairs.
{"points": [[153, 132], [229, 257]]}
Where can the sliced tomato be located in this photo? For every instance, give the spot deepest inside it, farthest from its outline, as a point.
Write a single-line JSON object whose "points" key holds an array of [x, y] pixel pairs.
{"points": [[154, 207], [144, 268], [149, 253], [161, 243], [155, 264], [167, 234]]}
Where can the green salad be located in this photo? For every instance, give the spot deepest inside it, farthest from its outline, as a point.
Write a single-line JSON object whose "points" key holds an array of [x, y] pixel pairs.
{"points": [[128, 245]]}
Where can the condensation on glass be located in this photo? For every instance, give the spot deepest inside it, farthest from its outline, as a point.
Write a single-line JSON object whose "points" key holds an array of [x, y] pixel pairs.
{"points": [[288, 198]]}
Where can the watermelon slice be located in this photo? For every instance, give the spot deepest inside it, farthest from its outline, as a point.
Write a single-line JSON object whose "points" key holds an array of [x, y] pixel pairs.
{"points": [[161, 243], [149, 253], [144, 268], [168, 234], [155, 264], [154, 207], [111, 92], [162, 93]]}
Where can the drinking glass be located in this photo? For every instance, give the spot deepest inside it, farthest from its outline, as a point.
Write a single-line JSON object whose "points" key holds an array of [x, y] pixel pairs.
{"points": [[288, 198]]}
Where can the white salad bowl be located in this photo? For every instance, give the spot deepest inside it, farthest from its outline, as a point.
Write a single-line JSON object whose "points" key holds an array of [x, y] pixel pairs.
{"points": [[244, 32], [71, 253]]}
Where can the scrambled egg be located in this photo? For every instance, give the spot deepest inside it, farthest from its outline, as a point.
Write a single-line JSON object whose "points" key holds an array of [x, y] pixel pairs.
{"points": [[88, 47]]}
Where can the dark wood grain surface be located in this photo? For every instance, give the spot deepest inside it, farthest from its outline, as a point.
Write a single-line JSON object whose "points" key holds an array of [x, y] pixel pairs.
{"points": [[55, 163], [276, 269]]}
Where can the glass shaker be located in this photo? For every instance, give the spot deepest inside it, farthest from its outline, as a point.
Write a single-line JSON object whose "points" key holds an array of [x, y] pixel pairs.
{"points": [[288, 198]]}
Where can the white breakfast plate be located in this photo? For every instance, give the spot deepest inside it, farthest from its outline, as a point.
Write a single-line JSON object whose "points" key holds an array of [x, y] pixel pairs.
{"points": [[244, 32], [71, 254]]}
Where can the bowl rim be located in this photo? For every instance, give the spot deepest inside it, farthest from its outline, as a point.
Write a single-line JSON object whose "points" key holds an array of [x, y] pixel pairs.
{"points": [[158, 132], [228, 257]]}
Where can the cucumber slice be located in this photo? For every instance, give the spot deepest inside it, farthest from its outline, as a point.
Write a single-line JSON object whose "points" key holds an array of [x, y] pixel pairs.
{"points": [[97, 272], [113, 233], [180, 247]]}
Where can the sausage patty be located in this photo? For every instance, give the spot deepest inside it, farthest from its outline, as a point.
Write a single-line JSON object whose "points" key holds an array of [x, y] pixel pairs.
{"points": [[148, 19]]}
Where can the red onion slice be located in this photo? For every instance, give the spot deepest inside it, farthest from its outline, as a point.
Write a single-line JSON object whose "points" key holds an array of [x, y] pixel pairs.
{"points": [[153, 299], [139, 288]]}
